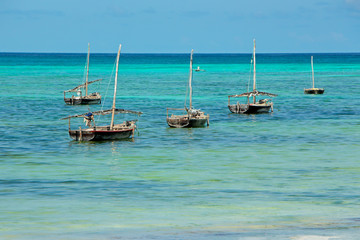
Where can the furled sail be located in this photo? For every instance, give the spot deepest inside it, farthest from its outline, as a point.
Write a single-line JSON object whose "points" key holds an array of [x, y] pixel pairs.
{"points": [[254, 93], [82, 85], [104, 112]]}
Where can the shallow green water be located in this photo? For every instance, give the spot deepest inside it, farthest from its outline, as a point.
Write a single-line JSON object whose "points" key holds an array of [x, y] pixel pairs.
{"points": [[285, 175]]}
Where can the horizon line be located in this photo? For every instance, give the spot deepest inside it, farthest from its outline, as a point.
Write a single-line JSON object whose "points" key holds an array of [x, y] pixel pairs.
{"points": [[178, 53]]}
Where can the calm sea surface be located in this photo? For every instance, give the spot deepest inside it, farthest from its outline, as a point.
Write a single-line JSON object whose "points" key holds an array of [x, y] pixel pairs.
{"points": [[291, 174]]}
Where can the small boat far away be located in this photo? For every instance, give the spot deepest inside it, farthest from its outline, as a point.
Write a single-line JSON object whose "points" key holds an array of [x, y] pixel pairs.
{"points": [[93, 98], [109, 132], [191, 117], [198, 69], [261, 106], [313, 90]]}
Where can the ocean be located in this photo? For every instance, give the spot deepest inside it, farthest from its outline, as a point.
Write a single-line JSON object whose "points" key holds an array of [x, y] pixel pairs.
{"points": [[290, 174]]}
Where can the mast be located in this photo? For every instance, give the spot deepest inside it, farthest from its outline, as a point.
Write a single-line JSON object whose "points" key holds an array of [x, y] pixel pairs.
{"points": [[190, 78], [312, 69], [114, 100], [254, 85], [87, 70]]}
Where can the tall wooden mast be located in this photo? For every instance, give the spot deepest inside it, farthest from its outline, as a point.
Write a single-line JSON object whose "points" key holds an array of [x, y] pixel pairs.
{"points": [[312, 69], [114, 100], [190, 78], [254, 85], [87, 70]]}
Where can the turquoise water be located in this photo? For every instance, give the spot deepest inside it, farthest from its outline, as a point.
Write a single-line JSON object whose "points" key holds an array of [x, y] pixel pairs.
{"points": [[291, 174]]}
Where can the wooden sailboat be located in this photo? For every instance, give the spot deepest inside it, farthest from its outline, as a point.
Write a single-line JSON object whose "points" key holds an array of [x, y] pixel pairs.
{"points": [[93, 98], [191, 117], [313, 90], [109, 132], [261, 106]]}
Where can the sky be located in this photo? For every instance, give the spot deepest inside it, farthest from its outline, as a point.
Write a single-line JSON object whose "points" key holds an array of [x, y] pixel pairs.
{"points": [[177, 26]]}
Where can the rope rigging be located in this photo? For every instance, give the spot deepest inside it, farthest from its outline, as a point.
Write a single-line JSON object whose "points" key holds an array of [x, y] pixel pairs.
{"points": [[107, 89]]}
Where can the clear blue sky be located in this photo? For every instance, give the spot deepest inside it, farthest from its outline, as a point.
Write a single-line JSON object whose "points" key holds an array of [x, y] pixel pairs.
{"points": [[177, 26]]}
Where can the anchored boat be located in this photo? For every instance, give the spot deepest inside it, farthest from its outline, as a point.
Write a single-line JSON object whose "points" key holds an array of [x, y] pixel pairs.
{"points": [[313, 90], [251, 107], [79, 99], [191, 117]]}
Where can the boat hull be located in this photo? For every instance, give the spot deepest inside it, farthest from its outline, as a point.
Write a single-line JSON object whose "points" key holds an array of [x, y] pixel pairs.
{"points": [[314, 91], [249, 108], [94, 98], [197, 122], [184, 122], [103, 135], [73, 101]]}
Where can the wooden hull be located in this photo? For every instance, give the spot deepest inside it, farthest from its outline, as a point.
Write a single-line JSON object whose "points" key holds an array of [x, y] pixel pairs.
{"points": [[102, 133], [95, 135], [238, 108], [178, 121], [83, 100], [184, 122], [314, 91], [249, 108], [197, 122]]}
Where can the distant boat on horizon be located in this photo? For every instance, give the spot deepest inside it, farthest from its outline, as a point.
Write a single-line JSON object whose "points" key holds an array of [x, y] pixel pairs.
{"points": [[191, 117], [313, 90], [93, 98], [261, 106]]}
